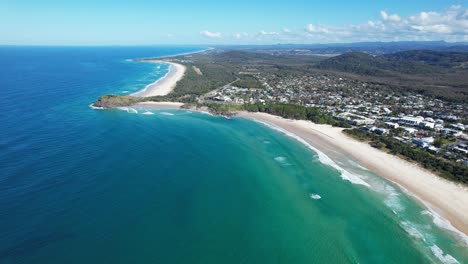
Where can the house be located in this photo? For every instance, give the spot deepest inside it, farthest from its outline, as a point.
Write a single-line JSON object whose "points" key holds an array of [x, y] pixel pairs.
{"points": [[428, 140], [420, 143], [410, 130], [426, 124], [381, 131], [433, 149], [392, 125], [409, 120], [451, 132], [354, 119]]}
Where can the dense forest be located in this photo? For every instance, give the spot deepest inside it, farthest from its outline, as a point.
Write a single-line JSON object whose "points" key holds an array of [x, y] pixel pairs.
{"points": [[435, 58], [365, 64]]}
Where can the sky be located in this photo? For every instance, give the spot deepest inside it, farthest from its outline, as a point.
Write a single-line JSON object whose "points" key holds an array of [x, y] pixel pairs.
{"points": [[146, 22]]}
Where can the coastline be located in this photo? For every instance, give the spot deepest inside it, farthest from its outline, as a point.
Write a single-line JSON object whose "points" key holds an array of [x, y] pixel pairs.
{"points": [[440, 196], [445, 198], [165, 84]]}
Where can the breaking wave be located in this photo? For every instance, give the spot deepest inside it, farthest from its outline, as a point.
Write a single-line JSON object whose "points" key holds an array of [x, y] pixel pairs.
{"points": [[315, 196], [282, 160], [95, 107], [447, 259], [324, 159], [128, 110]]}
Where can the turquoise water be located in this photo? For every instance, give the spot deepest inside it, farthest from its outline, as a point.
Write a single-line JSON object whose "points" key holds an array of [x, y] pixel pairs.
{"points": [[89, 186]]}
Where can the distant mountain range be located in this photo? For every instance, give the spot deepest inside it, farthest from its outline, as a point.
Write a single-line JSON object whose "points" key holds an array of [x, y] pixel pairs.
{"points": [[375, 48]]}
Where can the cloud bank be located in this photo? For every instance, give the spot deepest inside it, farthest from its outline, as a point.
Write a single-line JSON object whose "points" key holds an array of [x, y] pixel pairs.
{"points": [[450, 24]]}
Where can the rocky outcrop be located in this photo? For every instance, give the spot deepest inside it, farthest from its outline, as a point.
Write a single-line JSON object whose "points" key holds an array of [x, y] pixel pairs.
{"points": [[112, 101]]}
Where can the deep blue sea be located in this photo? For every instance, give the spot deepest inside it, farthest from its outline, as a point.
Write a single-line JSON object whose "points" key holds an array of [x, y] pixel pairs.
{"points": [[79, 185]]}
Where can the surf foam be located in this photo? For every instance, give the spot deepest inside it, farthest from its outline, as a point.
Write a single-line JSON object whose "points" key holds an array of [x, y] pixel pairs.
{"points": [[95, 107], [315, 196], [128, 110], [324, 159], [447, 259]]}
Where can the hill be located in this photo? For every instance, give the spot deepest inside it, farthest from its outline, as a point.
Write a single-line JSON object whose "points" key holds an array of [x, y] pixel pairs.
{"points": [[435, 58], [364, 64]]}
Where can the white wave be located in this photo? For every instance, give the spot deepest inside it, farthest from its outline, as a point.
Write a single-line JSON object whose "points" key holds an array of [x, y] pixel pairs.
{"points": [[392, 196], [266, 142], [125, 92], [128, 110], [447, 259], [282, 160], [441, 222], [95, 107], [142, 91], [357, 165], [147, 113], [324, 159], [167, 113], [315, 196], [188, 112], [412, 230]]}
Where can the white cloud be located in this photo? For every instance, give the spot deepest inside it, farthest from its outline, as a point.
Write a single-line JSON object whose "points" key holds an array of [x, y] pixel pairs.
{"points": [[450, 24], [240, 35], [316, 29], [209, 34], [388, 17], [265, 33]]}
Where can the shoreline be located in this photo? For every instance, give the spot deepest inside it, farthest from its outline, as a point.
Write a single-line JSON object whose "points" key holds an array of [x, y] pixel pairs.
{"points": [[448, 199], [171, 56], [165, 84], [440, 196]]}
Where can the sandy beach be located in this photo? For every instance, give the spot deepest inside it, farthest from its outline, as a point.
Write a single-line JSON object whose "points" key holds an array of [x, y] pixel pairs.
{"points": [[159, 105], [443, 197], [166, 84]]}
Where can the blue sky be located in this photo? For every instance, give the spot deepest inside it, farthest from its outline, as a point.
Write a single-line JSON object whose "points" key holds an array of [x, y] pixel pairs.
{"points": [[145, 22]]}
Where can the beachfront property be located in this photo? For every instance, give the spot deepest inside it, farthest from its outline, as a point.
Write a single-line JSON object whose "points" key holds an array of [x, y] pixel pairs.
{"points": [[354, 119]]}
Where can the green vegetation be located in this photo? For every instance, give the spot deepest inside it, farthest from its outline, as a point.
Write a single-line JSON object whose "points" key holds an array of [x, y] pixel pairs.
{"points": [[435, 58], [248, 81], [365, 64], [193, 84], [112, 100], [440, 75], [446, 168], [292, 111], [221, 109]]}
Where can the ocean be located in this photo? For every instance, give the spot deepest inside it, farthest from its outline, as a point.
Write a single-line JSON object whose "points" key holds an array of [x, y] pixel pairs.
{"points": [[79, 185]]}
